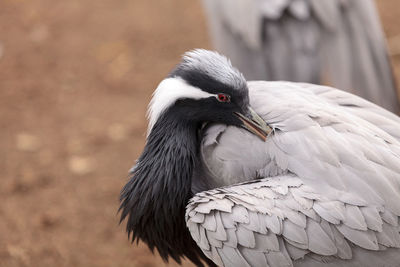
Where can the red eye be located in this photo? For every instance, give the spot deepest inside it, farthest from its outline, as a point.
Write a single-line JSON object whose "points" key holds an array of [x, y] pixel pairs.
{"points": [[223, 98]]}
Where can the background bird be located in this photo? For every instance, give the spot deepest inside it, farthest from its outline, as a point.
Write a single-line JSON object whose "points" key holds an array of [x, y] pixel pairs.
{"points": [[267, 173], [337, 42]]}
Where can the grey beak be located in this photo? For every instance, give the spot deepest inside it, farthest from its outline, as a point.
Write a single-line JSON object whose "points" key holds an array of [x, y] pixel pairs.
{"points": [[254, 124]]}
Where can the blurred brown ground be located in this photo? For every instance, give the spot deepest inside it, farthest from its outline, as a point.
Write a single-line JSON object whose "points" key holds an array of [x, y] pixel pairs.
{"points": [[75, 80]]}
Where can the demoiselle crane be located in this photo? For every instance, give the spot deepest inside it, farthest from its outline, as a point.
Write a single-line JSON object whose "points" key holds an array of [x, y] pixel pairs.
{"points": [[238, 173], [335, 42]]}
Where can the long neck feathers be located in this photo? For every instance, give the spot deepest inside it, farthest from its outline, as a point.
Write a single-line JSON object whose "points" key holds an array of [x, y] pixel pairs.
{"points": [[154, 199]]}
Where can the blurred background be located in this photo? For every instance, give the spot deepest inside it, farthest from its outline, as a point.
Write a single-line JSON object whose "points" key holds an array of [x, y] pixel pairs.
{"points": [[75, 80]]}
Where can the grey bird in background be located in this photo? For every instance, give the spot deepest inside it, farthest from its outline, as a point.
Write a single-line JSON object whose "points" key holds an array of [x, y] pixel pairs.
{"points": [[237, 173], [333, 42]]}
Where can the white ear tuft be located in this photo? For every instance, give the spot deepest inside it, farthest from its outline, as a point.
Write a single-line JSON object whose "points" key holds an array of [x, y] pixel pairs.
{"points": [[167, 93]]}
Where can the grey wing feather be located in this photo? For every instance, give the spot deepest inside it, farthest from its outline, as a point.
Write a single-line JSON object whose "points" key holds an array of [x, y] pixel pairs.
{"points": [[362, 108], [336, 42], [316, 130], [316, 242]]}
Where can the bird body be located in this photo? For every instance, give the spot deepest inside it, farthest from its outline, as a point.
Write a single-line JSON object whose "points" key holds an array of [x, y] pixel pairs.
{"points": [[317, 185], [330, 174], [336, 42]]}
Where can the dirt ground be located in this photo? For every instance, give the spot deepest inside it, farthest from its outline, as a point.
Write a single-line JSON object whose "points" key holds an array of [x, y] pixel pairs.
{"points": [[75, 80]]}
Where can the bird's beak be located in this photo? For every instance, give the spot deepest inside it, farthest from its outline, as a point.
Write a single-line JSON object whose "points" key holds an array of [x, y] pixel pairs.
{"points": [[254, 124]]}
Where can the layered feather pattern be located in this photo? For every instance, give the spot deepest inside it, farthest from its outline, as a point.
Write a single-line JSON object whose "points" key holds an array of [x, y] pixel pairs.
{"points": [[324, 187], [265, 223]]}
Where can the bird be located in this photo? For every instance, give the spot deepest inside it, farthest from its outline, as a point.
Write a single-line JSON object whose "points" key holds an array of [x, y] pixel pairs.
{"points": [[337, 42], [264, 173]]}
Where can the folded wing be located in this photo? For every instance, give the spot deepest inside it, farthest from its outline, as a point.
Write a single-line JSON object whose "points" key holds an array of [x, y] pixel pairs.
{"points": [[281, 221]]}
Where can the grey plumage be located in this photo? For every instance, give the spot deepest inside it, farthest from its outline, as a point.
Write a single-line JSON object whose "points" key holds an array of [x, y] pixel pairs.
{"points": [[335, 42], [330, 188], [292, 243]]}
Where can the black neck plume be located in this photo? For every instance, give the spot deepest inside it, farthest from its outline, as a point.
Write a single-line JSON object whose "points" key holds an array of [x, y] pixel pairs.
{"points": [[154, 199]]}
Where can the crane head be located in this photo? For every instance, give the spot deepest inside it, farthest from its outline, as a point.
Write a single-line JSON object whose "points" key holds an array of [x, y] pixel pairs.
{"points": [[205, 87]]}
